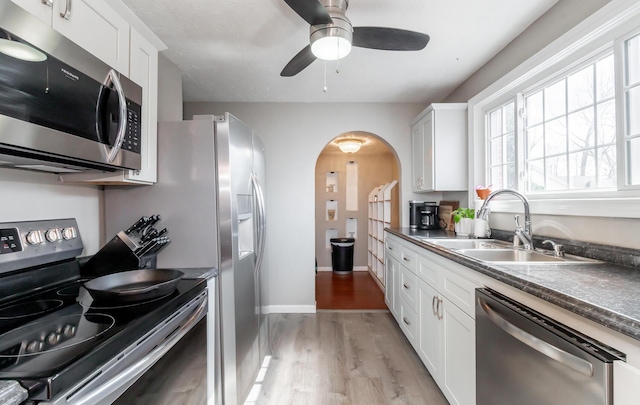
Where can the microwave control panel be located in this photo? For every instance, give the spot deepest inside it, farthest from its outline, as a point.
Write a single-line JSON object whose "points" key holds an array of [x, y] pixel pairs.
{"points": [[134, 130]]}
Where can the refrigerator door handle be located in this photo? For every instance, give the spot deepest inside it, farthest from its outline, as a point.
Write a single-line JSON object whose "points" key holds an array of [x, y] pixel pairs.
{"points": [[261, 220]]}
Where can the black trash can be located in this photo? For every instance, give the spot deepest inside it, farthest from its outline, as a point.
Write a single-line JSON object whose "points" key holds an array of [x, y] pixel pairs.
{"points": [[342, 254]]}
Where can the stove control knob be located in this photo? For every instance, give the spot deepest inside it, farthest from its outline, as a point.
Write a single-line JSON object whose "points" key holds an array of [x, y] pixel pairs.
{"points": [[53, 338], [53, 235], [35, 237], [69, 331], [35, 346], [69, 233]]}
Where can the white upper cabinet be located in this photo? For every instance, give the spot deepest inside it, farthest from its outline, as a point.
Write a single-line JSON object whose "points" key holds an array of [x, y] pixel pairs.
{"points": [[439, 148], [92, 24]]}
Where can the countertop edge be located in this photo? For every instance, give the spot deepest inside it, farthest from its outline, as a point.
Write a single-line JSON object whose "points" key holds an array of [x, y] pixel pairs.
{"points": [[603, 316]]}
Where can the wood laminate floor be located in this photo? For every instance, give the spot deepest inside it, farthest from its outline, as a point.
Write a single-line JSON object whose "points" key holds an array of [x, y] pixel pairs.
{"points": [[356, 290], [339, 358]]}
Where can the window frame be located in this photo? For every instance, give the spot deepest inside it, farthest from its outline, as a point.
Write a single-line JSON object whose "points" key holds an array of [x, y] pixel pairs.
{"points": [[609, 26]]}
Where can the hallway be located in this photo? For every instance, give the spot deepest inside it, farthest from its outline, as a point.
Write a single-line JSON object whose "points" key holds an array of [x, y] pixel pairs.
{"points": [[355, 291]]}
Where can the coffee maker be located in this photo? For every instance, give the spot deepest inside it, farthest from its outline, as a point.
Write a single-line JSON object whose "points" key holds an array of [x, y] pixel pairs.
{"points": [[423, 215]]}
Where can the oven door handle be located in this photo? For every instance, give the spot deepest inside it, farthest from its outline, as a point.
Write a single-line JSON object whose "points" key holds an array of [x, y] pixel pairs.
{"points": [[97, 395], [576, 363]]}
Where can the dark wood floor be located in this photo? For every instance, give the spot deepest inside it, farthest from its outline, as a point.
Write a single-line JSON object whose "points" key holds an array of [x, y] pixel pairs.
{"points": [[357, 290]]}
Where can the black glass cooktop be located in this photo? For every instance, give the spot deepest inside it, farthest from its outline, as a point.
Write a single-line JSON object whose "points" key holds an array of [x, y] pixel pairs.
{"points": [[61, 334]]}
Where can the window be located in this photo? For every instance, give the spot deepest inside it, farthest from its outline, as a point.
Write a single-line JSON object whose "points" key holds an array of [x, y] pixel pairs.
{"points": [[631, 90], [568, 141], [502, 146], [574, 145]]}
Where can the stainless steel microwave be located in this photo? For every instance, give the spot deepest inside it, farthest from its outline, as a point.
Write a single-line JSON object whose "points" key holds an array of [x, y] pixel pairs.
{"points": [[62, 109]]}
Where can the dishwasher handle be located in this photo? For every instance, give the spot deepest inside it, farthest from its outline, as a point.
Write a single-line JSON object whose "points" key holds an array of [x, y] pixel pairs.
{"points": [[576, 363]]}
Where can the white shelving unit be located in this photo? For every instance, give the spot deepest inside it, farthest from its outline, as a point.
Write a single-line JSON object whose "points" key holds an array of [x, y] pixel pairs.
{"points": [[382, 213]]}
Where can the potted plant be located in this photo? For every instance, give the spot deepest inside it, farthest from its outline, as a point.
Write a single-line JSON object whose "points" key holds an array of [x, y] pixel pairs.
{"points": [[463, 218]]}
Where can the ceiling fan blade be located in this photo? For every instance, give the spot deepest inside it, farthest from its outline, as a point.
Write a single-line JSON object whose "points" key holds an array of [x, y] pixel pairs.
{"points": [[311, 11], [389, 39], [299, 62]]}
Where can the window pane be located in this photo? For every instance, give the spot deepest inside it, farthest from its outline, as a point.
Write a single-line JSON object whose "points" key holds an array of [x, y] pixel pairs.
{"points": [[495, 123], [510, 117], [497, 177], [535, 172], [607, 175], [633, 156], [496, 151], [633, 60], [555, 100], [556, 173], [582, 170], [581, 130], [580, 88], [633, 111], [534, 109], [605, 78], [512, 178], [556, 137], [606, 122], [535, 147], [510, 147]]}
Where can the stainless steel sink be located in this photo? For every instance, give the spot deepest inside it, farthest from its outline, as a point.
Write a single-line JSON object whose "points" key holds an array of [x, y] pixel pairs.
{"points": [[457, 244], [519, 256]]}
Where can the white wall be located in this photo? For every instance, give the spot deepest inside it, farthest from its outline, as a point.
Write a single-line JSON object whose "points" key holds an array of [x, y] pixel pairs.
{"points": [[556, 21], [33, 196], [294, 134]]}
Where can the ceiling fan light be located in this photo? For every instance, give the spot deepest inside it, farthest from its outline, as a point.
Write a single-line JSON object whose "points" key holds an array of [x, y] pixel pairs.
{"points": [[21, 51], [331, 48], [350, 145]]}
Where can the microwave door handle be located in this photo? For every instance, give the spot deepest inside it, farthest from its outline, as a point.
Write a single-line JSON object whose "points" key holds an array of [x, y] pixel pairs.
{"points": [[576, 363], [112, 78]]}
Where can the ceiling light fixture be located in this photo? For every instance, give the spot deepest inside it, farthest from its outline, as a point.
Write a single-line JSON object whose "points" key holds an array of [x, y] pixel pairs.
{"points": [[11, 47], [350, 145], [332, 41]]}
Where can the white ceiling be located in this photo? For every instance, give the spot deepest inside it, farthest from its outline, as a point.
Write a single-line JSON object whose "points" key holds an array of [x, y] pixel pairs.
{"points": [[234, 50]]}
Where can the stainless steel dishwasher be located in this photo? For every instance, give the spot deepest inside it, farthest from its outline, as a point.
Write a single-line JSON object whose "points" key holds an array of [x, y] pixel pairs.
{"points": [[525, 358]]}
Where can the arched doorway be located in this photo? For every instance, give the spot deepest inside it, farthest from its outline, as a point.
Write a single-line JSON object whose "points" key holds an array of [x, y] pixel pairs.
{"points": [[344, 182]]}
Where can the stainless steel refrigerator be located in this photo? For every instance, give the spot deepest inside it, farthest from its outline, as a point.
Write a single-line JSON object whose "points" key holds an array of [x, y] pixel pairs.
{"points": [[210, 195]]}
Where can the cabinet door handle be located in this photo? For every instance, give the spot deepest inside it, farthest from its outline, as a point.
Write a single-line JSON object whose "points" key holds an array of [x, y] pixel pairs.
{"points": [[389, 247], [406, 287], [67, 10], [438, 309], [406, 260], [405, 320], [433, 305], [47, 3]]}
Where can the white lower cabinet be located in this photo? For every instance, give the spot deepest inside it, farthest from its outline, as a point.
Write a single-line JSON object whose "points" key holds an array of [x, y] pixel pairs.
{"points": [[392, 269], [626, 384], [437, 316], [458, 371]]}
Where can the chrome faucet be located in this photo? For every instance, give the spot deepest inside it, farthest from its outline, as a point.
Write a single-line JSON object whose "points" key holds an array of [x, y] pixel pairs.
{"points": [[525, 235]]}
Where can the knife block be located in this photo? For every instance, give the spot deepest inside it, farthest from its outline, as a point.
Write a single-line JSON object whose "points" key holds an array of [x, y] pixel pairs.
{"points": [[117, 255]]}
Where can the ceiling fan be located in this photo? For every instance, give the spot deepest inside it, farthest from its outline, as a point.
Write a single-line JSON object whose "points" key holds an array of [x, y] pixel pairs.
{"points": [[332, 35]]}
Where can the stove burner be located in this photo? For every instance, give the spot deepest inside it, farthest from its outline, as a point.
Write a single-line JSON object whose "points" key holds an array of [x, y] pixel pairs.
{"points": [[27, 309], [55, 334]]}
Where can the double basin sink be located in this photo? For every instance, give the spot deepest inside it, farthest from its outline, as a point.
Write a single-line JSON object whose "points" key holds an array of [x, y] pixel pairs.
{"points": [[500, 252]]}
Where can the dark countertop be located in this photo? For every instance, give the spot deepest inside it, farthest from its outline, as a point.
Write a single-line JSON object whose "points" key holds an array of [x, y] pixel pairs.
{"points": [[605, 293], [199, 272]]}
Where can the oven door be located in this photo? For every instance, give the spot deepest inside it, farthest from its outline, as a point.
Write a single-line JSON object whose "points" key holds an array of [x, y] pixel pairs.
{"points": [[107, 383]]}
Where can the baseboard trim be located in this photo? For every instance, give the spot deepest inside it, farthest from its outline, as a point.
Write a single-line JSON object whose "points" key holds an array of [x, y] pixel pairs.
{"points": [[290, 309], [355, 268]]}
